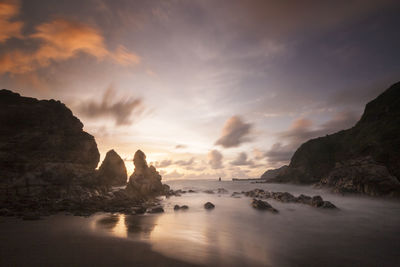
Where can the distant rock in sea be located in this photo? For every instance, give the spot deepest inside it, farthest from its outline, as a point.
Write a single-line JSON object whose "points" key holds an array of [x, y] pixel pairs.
{"points": [[112, 171], [145, 181], [42, 147], [364, 159]]}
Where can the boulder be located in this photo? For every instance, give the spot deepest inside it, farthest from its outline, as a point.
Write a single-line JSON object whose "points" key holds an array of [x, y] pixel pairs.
{"points": [[209, 206], [112, 171], [263, 205], [145, 182]]}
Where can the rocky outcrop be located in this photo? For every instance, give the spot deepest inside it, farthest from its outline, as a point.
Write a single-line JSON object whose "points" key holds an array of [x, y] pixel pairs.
{"points": [[362, 175], [145, 182], [273, 173], [376, 136], [263, 205], [43, 148], [112, 171], [285, 197]]}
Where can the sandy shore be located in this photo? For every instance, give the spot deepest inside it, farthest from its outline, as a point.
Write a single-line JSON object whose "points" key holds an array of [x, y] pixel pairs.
{"points": [[65, 241]]}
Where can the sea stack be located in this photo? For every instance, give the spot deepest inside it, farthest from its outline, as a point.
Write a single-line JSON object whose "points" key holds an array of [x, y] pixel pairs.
{"points": [[112, 171], [145, 182]]}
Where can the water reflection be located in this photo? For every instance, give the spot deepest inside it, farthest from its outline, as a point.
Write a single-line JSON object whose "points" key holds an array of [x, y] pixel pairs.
{"points": [[234, 234]]}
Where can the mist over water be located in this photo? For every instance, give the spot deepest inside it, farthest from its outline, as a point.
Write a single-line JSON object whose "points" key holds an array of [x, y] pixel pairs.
{"points": [[364, 231]]}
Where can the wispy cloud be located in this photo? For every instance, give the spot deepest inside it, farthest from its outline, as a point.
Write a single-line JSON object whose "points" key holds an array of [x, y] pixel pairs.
{"points": [[120, 109]]}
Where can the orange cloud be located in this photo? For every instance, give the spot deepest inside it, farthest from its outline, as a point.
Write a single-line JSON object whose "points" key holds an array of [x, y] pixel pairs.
{"points": [[8, 29], [60, 40]]}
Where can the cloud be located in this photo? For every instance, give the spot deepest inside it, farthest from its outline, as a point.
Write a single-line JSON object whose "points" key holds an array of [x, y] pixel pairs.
{"points": [[184, 162], [215, 159], [258, 154], [121, 110], [59, 40], [173, 174], [9, 28], [302, 130], [162, 164], [279, 153], [241, 160], [234, 133]]}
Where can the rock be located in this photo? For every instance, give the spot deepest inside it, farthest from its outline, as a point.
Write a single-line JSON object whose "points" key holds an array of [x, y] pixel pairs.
{"points": [[283, 197], [222, 191], [158, 209], [6, 212], [304, 199], [328, 205], [183, 207], [31, 216], [341, 158], [263, 205], [286, 197], [145, 182], [43, 147], [191, 191], [317, 201], [112, 171], [361, 175], [208, 191], [209, 205], [273, 173]]}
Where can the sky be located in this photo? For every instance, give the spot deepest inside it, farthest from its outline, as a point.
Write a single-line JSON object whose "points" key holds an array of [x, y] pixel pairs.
{"points": [[205, 88]]}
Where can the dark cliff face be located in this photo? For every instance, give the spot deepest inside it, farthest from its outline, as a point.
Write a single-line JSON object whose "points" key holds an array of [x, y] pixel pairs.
{"points": [[112, 171], [376, 135], [42, 138]]}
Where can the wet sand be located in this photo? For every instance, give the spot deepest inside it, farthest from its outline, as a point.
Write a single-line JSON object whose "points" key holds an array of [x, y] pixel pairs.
{"points": [[65, 241]]}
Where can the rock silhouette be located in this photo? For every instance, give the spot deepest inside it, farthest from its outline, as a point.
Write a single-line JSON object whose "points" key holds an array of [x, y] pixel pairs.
{"points": [[112, 171], [371, 148], [42, 145], [145, 181]]}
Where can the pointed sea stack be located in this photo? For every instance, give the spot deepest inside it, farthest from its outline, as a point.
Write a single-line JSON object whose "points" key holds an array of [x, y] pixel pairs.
{"points": [[145, 182], [112, 171]]}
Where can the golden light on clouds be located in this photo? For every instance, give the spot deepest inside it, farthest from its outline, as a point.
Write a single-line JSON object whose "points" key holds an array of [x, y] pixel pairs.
{"points": [[9, 28], [59, 39]]}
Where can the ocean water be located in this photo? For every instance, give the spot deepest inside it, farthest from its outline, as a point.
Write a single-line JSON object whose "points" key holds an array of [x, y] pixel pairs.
{"points": [[364, 231]]}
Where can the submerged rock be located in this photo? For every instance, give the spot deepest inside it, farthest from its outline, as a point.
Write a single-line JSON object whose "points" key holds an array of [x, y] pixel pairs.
{"points": [[158, 209], [263, 205], [112, 171], [183, 207], [209, 205], [286, 197]]}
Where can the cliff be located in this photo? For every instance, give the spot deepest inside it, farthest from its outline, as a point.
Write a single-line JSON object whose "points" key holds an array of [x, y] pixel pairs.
{"points": [[42, 144], [375, 139]]}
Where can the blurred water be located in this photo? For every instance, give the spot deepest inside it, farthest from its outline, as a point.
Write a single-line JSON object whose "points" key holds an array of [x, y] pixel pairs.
{"points": [[363, 232]]}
